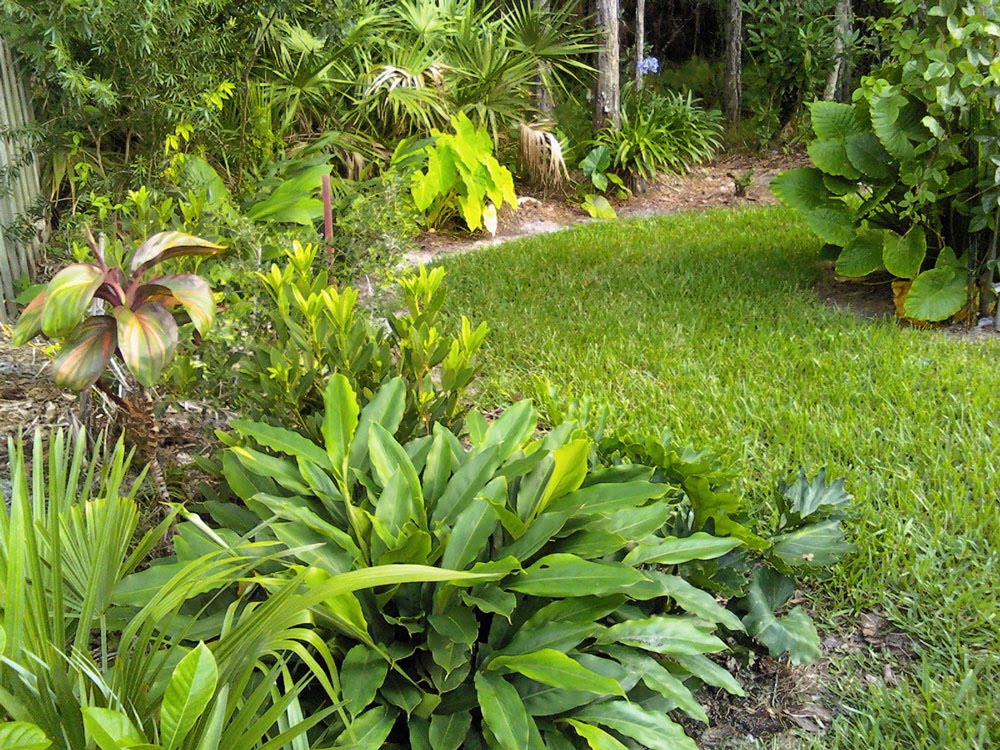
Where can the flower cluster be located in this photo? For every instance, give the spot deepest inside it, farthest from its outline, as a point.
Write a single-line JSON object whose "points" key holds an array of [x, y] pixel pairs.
{"points": [[648, 65]]}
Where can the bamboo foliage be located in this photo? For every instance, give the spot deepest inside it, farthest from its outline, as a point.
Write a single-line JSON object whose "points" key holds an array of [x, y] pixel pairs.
{"points": [[19, 185]]}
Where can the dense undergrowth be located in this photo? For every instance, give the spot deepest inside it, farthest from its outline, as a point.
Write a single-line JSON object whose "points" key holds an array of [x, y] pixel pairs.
{"points": [[709, 325]]}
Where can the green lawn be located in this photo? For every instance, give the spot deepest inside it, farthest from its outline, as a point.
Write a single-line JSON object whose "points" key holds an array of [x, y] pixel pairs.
{"points": [[708, 324]]}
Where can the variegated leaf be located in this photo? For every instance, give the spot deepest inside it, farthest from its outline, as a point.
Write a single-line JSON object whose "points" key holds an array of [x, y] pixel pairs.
{"points": [[67, 297], [166, 245], [194, 293], [147, 338], [29, 324], [86, 355]]}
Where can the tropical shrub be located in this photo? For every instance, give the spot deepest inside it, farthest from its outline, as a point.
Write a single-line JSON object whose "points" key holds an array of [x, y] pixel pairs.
{"points": [[461, 177], [661, 133], [141, 329], [905, 179], [592, 631], [318, 330], [90, 658]]}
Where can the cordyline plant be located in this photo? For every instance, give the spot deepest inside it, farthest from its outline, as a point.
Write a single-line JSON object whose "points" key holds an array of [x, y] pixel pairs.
{"points": [[141, 327]]}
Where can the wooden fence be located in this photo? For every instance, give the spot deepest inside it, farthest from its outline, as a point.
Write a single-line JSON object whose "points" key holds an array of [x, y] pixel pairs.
{"points": [[20, 237]]}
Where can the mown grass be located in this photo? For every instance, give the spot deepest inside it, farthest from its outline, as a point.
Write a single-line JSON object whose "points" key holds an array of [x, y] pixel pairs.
{"points": [[708, 324]]}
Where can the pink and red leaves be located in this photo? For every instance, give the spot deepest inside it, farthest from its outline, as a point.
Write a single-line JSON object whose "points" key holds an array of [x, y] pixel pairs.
{"points": [[67, 298], [191, 291], [86, 354], [166, 245], [30, 323], [147, 338]]}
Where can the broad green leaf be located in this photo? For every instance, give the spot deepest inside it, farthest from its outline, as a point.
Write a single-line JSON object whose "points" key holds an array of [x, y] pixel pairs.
{"points": [[833, 120], [885, 114], [29, 324], [903, 256], [86, 354], [282, 440], [708, 672], [552, 667], [513, 428], [634, 523], [389, 460], [166, 245], [195, 295], [831, 157], [597, 206], [862, 255], [448, 731], [368, 731], [147, 338], [340, 420], [564, 575], [280, 470], [607, 497], [67, 298], [570, 465], [657, 677], [111, 730], [803, 189], [936, 294], [694, 600], [579, 609], [793, 633], [503, 711], [466, 483], [189, 691], [20, 735], [437, 469], [804, 497], [597, 738], [471, 534], [674, 551], [664, 634], [293, 201], [651, 729], [560, 636], [817, 545], [385, 409], [361, 675], [869, 157]]}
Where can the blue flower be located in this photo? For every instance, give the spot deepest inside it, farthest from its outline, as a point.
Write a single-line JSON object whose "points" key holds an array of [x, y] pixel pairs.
{"points": [[649, 65]]}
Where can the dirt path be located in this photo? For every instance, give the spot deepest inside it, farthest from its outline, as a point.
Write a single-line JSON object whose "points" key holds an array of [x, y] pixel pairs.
{"points": [[713, 185]]}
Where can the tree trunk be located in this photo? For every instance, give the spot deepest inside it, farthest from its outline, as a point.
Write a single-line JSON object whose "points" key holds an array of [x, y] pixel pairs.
{"points": [[607, 90], [640, 40], [543, 97], [732, 87], [836, 82]]}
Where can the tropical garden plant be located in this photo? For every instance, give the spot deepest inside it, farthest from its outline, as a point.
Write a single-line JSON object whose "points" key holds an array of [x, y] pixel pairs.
{"points": [[906, 178], [595, 628], [91, 659]]}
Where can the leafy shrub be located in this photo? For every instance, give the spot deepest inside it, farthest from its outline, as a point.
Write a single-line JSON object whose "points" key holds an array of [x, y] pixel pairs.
{"points": [[661, 132], [183, 655], [317, 330], [696, 76], [374, 228], [461, 177], [594, 626], [142, 330], [905, 178]]}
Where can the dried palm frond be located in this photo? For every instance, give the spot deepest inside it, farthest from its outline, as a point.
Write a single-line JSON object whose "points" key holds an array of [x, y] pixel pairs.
{"points": [[542, 154]]}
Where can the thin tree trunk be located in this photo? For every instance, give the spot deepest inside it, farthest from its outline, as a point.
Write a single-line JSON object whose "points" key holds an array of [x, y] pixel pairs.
{"points": [[640, 40], [836, 81], [732, 88], [607, 90], [543, 97]]}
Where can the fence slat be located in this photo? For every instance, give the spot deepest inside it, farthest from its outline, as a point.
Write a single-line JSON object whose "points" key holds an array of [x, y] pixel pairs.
{"points": [[19, 190]]}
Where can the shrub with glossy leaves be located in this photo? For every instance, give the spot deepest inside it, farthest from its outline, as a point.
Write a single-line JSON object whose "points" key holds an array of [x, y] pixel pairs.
{"points": [[588, 631]]}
